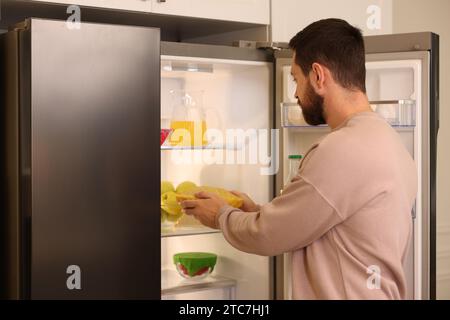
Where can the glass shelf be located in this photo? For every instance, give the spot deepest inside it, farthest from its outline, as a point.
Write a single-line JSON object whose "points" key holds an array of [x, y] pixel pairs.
{"points": [[208, 147], [292, 117], [310, 129], [188, 230], [400, 114], [326, 129], [172, 283]]}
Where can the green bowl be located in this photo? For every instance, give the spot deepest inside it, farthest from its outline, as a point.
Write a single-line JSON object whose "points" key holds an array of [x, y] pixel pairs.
{"points": [[195, 265]]}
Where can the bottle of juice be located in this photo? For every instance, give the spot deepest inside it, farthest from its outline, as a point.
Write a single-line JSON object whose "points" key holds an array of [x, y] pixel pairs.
{"points": [[188, 133], [188, 122]]}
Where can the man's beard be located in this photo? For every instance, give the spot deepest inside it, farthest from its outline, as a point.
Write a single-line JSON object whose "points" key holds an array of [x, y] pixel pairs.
{"points": [[312, 107]]}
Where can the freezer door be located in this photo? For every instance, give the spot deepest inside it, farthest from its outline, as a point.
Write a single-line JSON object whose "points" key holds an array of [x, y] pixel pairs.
{"points": [[91, 128]]}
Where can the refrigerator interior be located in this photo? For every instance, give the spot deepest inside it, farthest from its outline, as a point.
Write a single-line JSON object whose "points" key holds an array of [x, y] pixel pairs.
{"points": [[394, 90], [236, 95]]}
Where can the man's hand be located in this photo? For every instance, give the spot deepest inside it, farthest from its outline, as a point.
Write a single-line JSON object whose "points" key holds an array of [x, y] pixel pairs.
{"points": [[249, 205], [205, 208]]}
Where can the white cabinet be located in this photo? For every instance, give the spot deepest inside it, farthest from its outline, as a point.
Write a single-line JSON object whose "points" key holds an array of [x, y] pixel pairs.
{"points": [[130, 5], [290, 16], [251, 11]]}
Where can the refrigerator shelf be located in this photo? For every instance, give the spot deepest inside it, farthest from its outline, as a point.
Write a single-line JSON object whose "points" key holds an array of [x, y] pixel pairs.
{"points": [[398, 113], [208, 147], [173, 284], [186, 231], [401, 101], [326, 129], [321, 129]]}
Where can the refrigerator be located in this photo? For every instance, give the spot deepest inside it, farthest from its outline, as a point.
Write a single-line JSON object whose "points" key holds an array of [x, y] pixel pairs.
{"points": [[84, 110], [251, 88]]}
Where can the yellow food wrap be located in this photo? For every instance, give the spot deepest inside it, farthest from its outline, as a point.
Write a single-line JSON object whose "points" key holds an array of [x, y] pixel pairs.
{"points": [[230, 198]]}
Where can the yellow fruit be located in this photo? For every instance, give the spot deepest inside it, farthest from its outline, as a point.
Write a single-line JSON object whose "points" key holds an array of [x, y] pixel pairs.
{"points": [[174, 218], [185, 187], [230, 198], [163, 215], [169, 203], [166, 186], [182, 197]]}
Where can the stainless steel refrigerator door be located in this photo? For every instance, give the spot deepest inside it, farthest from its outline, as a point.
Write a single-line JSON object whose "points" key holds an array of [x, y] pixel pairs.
{"points": [[94, 162]]}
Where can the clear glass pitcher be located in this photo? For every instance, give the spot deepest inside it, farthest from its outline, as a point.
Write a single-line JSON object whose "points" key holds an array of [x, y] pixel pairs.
{"points": [[189, 118]]}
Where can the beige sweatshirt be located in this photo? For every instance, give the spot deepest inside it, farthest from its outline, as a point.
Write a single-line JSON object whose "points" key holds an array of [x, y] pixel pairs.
{"points": [[347, 211]]}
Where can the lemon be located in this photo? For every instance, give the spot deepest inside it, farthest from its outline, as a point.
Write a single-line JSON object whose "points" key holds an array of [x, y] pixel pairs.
{"points": [[166, 186], [169, 203], [185, 187]]}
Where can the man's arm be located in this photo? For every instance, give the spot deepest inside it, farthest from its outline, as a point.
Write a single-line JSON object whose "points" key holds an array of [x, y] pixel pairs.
{"points": [[289, 222]]}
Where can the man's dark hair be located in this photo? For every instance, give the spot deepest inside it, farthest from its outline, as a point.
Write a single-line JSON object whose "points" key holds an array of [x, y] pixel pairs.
{"points": [[335, 44]]}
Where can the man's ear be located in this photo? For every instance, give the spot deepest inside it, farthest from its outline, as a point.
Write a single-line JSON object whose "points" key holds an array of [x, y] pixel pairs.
{"points": [[317, 76]]}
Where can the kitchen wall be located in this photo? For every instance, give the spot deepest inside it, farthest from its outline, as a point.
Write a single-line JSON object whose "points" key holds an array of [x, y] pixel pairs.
{"points": [[421, 15], [290, 16]]}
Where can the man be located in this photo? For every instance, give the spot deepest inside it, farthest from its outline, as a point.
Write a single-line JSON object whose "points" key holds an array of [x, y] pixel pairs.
{"points": [[346, 216]]}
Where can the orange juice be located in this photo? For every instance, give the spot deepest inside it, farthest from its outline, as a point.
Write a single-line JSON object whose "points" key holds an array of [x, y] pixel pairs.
{"points": [[188, 133]]}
